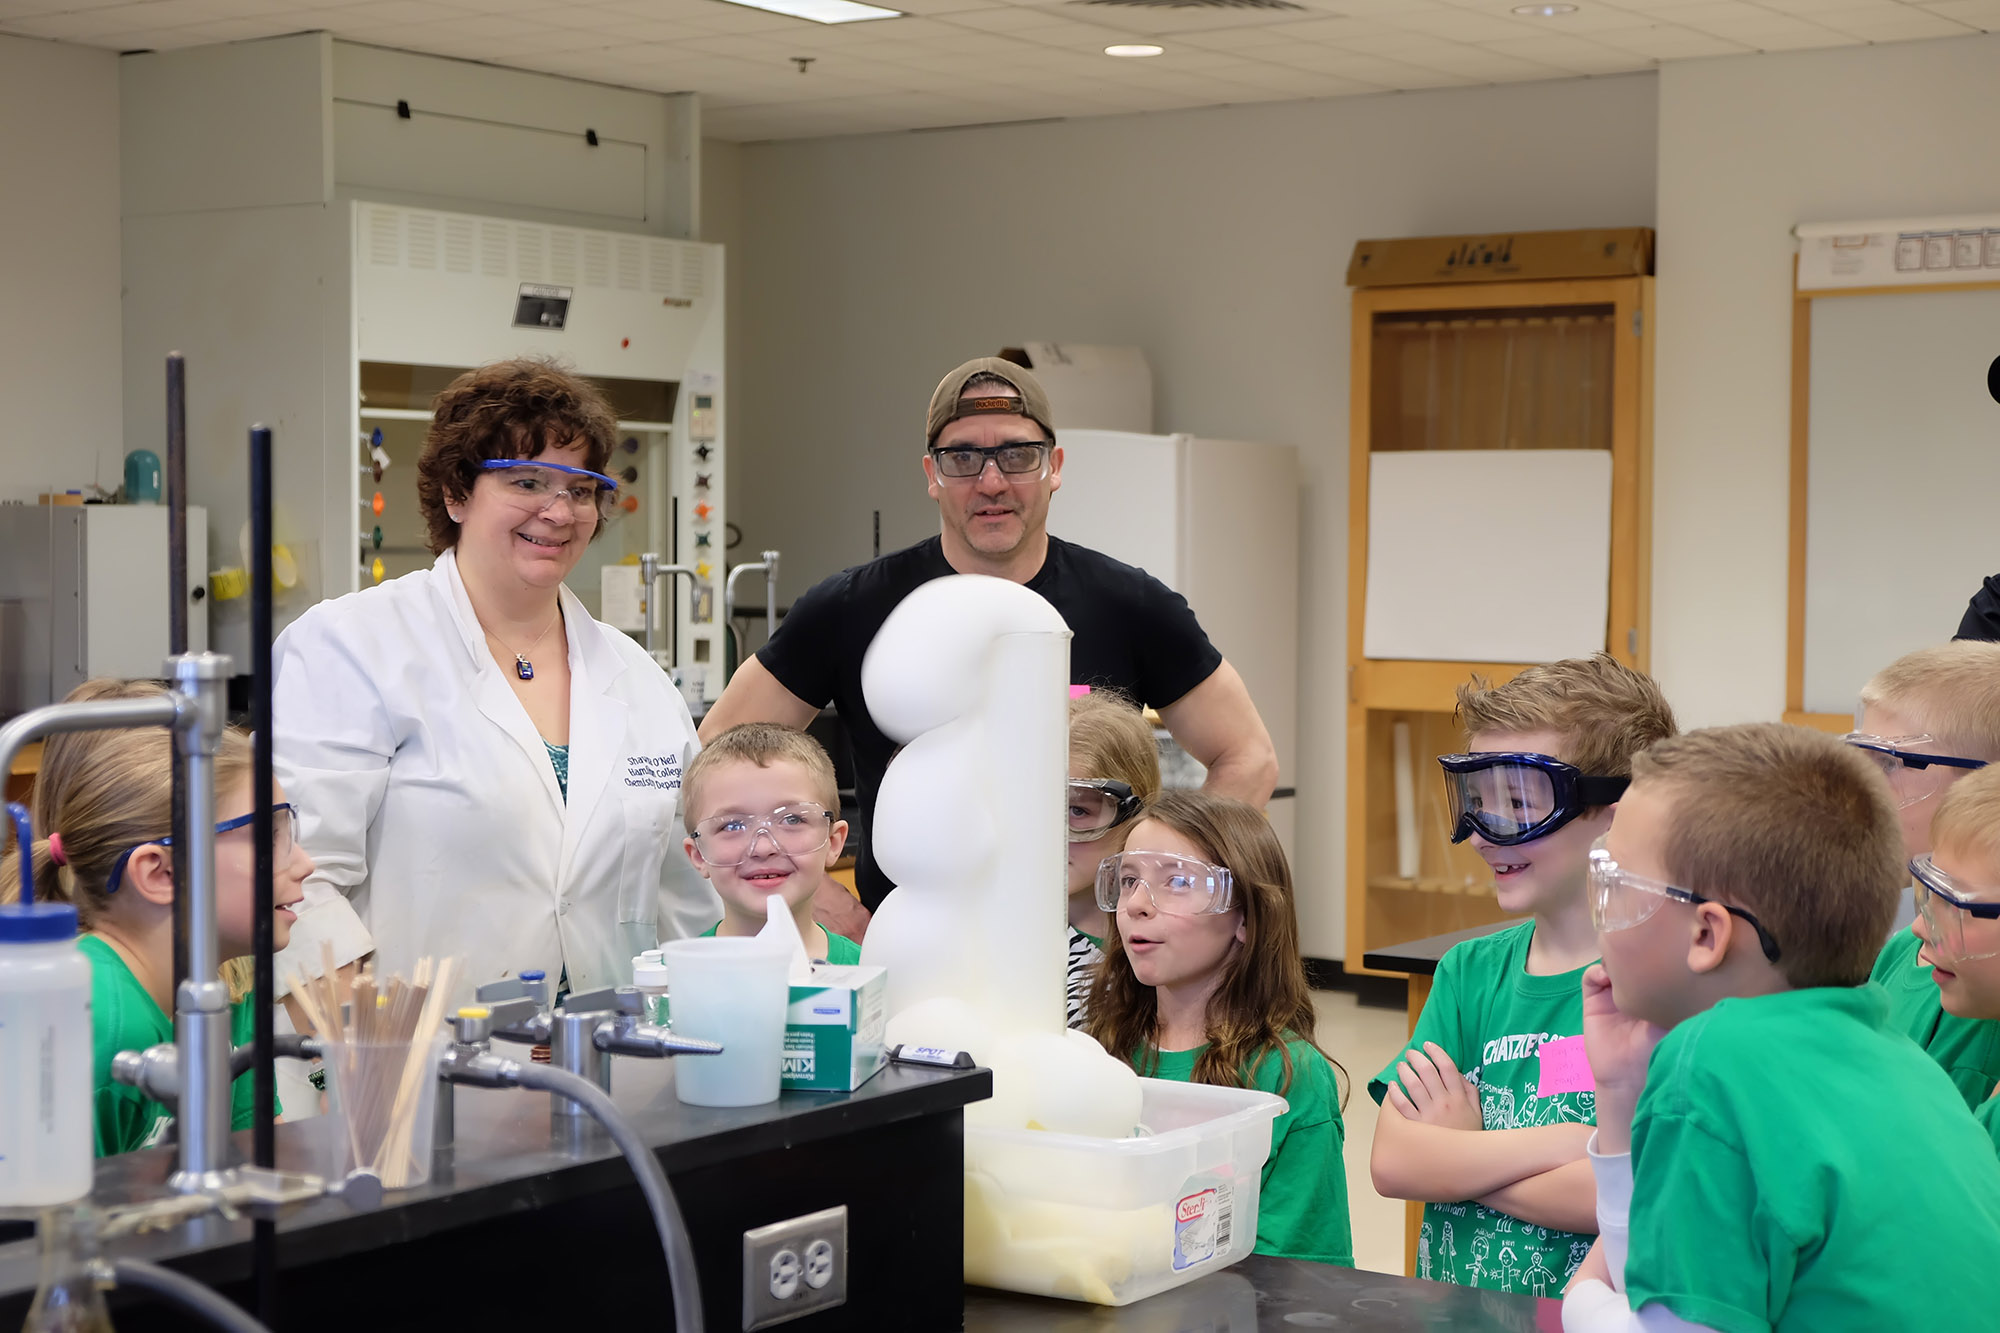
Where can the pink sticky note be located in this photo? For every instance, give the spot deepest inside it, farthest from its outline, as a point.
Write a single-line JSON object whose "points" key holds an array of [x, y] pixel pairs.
{"points": [[1565, 1068], [1078, 691]]}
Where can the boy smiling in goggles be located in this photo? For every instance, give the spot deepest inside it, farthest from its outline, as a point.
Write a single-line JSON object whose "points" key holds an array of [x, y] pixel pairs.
{"points": [[1476, 1121]]}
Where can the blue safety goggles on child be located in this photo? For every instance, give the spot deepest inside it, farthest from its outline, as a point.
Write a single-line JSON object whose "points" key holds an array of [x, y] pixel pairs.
{"points": [[1509, 798]]}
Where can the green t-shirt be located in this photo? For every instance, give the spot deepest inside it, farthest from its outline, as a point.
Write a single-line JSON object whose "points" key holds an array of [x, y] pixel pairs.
{"points": [[1798, 1166], [1302, 1200], [1987, 1113], [840, 951], [1492, 1016], [1968, 1049], [124, 1017]]}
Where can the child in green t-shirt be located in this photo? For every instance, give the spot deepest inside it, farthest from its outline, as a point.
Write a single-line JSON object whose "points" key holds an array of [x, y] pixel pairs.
{"points": [[1928, 719], [104, 800], [1485, 1118], [763, 818], [1958, 915], [1202, 982], [1770, 1152], [1114, 768]]}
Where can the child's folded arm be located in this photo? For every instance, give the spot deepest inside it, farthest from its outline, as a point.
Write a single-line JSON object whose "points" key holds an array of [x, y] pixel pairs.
{"points": [[1564, 1199], [1411, 1160]]}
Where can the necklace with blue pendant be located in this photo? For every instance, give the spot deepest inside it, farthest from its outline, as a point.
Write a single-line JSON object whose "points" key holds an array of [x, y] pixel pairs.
{"points": [[522, 666]]}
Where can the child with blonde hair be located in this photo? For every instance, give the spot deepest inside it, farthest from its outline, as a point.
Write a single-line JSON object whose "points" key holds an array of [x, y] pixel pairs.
{"points": [[1202, 982], [1770, 1153], [1929, 719], [1483, 1119], [763, 818], [1114, 769], [1958, 916], [103, 805]]}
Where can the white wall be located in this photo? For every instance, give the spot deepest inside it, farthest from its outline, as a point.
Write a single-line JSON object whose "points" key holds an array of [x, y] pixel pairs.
{"points": [[1749, 147], [1216, 240], [59, 347]]}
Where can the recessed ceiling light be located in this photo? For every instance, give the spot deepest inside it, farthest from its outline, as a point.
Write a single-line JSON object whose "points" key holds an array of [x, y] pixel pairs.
{"points": [[1133, 50], [1544, 11], [822, 11]]}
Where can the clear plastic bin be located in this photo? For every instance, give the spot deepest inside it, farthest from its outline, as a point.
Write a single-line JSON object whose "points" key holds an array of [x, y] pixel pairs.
{"points": [[382, 1097], [1112, 1221]]}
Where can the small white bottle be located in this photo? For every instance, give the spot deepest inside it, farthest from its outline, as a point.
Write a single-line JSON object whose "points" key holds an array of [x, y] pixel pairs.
{"points": [[649, 975], [45, 1058]]}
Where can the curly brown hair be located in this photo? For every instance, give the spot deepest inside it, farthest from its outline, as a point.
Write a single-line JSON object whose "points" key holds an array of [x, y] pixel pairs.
{"points": [[508, 409]]}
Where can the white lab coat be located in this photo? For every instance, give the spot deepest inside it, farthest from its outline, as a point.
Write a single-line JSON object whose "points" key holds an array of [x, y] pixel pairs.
{"points": [[428, 801]]}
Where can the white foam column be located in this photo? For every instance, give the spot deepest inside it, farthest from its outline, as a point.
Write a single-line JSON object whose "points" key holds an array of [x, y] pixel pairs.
{"points": [[1023, 906]]}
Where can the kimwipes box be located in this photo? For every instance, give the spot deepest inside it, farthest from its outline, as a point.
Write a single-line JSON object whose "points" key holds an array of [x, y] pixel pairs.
{"points": [[1612, 252], [834, 1029]]}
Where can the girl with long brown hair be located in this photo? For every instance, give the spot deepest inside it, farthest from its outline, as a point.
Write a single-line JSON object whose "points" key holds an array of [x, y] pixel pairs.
{"points": [[1202, 982], [102, 810]]}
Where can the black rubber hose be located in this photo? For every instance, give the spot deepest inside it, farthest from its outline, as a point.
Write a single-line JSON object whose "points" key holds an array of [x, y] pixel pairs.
{"points": [[188, 1294], [686, 1289]]}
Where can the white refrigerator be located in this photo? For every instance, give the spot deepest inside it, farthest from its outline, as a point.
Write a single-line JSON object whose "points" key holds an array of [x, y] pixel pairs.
{"points": [[1218, 522]]}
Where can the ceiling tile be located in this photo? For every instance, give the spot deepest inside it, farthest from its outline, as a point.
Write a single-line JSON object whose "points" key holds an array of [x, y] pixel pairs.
{"points": [[1667, 41], [1981, 14], [1572, 55]]}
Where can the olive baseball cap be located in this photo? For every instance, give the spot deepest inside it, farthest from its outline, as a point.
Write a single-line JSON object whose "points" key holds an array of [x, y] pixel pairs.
{"points": [[947, 406]]}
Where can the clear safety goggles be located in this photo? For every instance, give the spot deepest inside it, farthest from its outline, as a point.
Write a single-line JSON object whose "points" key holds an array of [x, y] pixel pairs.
{"points": [[1017, 462], [1509, 798], [1098, 805], [1915, 773], [284, 837], [537, 486], [1174, 885], [1620, 899], [1946, 903], [793, 830]]}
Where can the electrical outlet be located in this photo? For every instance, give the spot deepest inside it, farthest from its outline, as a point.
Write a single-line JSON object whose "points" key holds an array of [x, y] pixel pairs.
{"points": [[778, 1284]]}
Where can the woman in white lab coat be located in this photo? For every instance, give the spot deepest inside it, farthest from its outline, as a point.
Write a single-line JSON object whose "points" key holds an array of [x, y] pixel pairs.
{"points": [[483, 769]]}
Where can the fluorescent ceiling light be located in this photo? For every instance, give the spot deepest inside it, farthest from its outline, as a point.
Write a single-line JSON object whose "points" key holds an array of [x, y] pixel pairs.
{"points": [[822, 11], [1544, 11], [1133, 50]]}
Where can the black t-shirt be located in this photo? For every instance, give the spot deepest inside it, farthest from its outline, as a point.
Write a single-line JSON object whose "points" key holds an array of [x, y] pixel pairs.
{"points": [[1132, 633], [1982, 613]]}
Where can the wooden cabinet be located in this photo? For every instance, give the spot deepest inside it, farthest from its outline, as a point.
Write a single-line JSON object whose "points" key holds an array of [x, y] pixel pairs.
{"points": [[1561, 364]]}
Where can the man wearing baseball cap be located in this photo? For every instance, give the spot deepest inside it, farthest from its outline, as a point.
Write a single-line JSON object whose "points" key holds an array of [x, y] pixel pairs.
{"points": [[992, 463]]}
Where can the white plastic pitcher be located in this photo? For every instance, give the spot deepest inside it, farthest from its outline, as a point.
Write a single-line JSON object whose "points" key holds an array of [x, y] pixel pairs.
{"points": [[734, 991]]}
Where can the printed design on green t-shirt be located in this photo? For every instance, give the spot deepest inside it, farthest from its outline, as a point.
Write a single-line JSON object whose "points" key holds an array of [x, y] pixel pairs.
{"points": [[1475, 1246]]}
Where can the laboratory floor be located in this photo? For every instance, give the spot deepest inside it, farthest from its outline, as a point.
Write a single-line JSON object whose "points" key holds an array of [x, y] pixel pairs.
{"points": [[1364, 1039]]}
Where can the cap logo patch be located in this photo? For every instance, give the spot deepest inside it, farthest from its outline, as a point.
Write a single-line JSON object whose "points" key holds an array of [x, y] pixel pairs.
{"points": [[1010, 405]]}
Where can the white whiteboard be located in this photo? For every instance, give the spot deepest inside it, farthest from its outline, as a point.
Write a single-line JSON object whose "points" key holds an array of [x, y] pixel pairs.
{"points": [[1488, 555], [1903, 476]]}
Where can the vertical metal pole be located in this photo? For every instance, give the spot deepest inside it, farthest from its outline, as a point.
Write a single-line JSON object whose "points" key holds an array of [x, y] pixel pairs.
{"points": [[770, 594], [649, 570], [264, 1081], [201, 1002], [177, 617], [674, 587]]}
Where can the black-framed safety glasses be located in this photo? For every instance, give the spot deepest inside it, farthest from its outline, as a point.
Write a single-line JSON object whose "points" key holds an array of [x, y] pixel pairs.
{"points": [[963, 462], [1944, 903], [1512, 797], [1620, 899]]}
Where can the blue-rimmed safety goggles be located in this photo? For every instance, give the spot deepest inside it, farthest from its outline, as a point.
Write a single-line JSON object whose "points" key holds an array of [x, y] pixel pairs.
{"points": [[284, 819], [1915, 773], [1512, 797], [535, 484]]}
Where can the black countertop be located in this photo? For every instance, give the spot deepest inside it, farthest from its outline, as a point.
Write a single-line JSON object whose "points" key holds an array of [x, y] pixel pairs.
{"points": [[1274, 1296], [1420, 957], [506, 1160]]}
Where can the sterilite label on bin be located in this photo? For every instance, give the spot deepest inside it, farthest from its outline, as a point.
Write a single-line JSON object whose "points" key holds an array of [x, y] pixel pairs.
{"points": [[1201, 1227]]}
